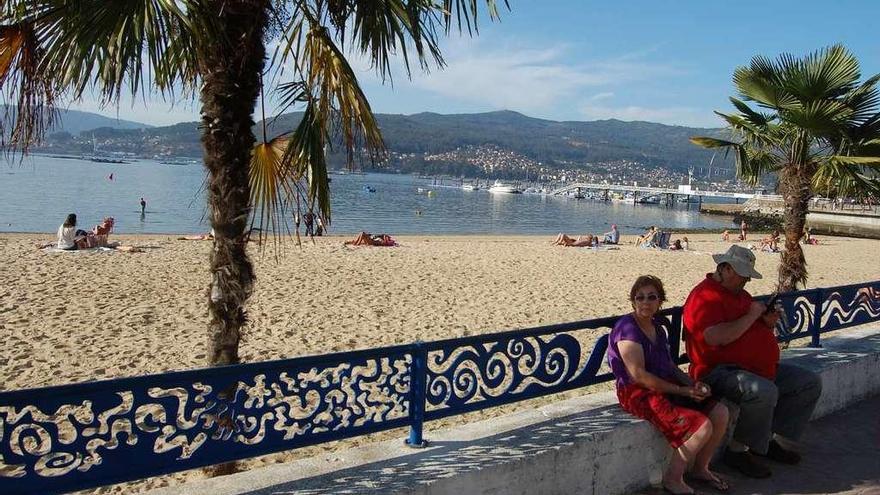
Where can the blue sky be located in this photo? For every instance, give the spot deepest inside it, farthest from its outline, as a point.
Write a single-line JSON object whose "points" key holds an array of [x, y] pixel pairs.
{"points": [[659, 61]]}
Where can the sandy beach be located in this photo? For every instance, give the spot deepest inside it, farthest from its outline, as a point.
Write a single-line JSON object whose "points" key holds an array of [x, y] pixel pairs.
{"points": [[70, 317]]}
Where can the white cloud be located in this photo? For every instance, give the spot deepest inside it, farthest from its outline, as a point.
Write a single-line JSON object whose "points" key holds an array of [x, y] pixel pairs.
{"points": [[530, 79], [602, 96]]}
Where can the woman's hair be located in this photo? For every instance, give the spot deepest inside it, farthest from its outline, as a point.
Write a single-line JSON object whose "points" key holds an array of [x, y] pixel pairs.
{"points": [[70, 221], [647, 281], [677, 243]]}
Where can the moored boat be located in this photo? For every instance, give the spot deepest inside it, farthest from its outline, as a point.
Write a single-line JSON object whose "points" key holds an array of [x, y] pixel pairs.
{"points": [[500, 187]]}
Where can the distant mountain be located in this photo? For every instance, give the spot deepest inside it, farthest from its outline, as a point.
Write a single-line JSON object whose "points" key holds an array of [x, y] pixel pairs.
{"points": [[554, 144], [547, 141], [75, 122]]}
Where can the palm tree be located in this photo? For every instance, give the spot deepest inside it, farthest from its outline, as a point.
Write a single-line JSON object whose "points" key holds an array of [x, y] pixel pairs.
{"points": [[53, 51], [823, 127]]}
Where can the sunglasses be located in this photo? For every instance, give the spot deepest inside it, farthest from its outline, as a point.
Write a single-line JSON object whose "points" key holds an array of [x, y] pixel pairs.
{"points": [[649, 297]]}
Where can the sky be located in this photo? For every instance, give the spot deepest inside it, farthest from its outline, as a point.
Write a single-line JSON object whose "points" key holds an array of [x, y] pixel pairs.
{"points": [[659, 61]]}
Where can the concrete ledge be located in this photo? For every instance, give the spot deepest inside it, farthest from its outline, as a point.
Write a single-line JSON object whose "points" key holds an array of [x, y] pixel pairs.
{"points": [[581, 445]]}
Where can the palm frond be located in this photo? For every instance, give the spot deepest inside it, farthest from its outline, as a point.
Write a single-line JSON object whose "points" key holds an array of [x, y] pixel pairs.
{"points": [[24, 79], [337, 96], [819, 116], [270, 185], [468, 10], [757, 83], [754, 118], [71, 46], [305, 158], [828, 73], [710, 142]]}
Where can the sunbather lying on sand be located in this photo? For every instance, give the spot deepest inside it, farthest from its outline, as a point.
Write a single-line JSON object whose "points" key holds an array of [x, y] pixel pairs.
{"points": [[582, 241], [365, 239], [204, 237]]}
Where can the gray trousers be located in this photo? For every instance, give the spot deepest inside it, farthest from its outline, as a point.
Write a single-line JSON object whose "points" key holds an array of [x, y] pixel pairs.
{"points": [[782, 406]]}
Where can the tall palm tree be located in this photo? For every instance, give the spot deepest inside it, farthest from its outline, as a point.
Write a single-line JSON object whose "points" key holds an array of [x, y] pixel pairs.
{"points": [[822, 128], [53, 51]]}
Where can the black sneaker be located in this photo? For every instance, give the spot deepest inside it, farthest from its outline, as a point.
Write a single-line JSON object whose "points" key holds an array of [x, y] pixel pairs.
{"points": [[745, 463], [780, 454]]}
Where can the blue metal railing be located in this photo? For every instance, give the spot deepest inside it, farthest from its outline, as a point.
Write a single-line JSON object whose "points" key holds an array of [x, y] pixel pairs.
{"points": [[73, 437]]}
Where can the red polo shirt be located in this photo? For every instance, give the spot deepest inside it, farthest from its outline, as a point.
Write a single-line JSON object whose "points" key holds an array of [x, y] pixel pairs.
{"points": [[709, 304]]}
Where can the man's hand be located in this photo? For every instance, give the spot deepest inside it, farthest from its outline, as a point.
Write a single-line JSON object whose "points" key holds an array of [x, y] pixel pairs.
{"points": [[702, 390], [771, 318], [696, 392]]}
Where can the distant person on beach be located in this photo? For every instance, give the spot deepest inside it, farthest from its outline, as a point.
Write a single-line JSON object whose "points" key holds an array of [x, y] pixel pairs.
{"points": [[611, 237], [685, 243], [585, 240], [319, 226], [97, 237], [676, 246], [647, 239], [309, 221], [143, 206], [296, 222], [732, 347], [743, 230], [67, 234], [650, 386], [365, 239], [725, 236], [771, 243]]}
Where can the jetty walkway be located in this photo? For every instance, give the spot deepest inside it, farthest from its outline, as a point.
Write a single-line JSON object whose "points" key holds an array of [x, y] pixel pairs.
{"points": [[661, 191]]}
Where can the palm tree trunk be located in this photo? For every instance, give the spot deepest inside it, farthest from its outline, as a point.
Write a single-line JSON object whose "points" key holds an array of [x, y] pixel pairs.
{"points": [[794, 184], [231, 72]]}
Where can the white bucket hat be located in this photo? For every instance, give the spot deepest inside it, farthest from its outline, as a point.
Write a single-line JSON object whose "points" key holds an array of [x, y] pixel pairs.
{"points": [[741, 259]]}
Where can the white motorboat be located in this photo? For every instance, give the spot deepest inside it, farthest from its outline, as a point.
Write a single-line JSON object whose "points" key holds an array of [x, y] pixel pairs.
{"points": [[469, 187], [649, 200], [500, 187]]}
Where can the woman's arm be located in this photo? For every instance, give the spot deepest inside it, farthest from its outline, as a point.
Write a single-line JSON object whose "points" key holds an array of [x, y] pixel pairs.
{"points": [[633, 356]]}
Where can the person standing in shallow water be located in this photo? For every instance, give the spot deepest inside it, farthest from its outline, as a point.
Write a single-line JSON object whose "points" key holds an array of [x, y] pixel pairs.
{"points": [[309, 221], [143, 206], [650, 386]]}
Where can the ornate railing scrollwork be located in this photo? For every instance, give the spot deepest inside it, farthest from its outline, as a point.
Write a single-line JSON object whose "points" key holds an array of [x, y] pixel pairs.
{"points": [[70, 437]]}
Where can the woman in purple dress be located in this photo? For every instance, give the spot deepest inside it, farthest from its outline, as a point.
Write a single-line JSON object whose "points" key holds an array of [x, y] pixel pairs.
{"points": [[650, 386]]}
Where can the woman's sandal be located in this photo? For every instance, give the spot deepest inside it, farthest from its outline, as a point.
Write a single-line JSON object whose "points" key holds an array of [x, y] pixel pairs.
{"points": [[717, 483]]}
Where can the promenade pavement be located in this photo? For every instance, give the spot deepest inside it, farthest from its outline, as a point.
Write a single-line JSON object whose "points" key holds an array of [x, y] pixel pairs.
{"points": [[841, 456]]}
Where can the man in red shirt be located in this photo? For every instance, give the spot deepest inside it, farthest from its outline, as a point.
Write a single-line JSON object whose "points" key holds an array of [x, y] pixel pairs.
{"points": [[732, 348]]}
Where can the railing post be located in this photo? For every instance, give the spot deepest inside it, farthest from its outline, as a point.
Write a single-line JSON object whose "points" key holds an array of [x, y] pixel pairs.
{"points": [[675, 332], [417, 393], [816, 324]]}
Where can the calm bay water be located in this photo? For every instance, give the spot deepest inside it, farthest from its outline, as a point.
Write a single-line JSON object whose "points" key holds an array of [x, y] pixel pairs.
{"points": [[35, 196]]}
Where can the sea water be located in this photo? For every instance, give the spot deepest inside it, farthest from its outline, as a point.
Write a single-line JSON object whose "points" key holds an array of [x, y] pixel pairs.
{"points": [[37, 194]]}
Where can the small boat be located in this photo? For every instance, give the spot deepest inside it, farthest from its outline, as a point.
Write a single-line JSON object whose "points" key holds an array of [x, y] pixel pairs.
{"points": [[649, 200], [500, 187], [469, 187]]}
